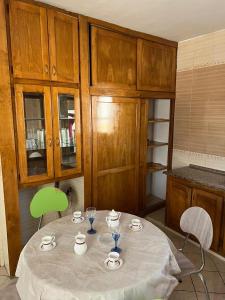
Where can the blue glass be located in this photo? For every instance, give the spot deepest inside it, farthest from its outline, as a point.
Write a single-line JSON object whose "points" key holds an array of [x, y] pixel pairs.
{"points": [[90, 214], [116, 236]]}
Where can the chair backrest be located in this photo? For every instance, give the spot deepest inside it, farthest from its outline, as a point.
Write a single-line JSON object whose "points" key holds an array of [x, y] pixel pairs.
{"points": [[196, 221], [46, 200]]}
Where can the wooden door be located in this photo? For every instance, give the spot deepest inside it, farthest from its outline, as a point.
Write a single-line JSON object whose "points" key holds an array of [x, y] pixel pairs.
{"points": [[177, 201], [34, 132], [213, 204], [67, 131], [156, 67], [63, 34], [113, 59], [29, 40], [115, 153]]}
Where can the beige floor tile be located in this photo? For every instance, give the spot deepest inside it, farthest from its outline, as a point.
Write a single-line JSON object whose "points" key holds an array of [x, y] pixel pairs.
{"points": [[196, 260], [213, 296], [213, 280], [181, 295], [3, 271], [158, 215], [186, 285], [222, 274], [4, 280], [220, 264]]}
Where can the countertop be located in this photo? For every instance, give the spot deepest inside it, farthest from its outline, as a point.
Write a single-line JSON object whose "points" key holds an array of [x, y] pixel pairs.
{"points": [[208, 177]]}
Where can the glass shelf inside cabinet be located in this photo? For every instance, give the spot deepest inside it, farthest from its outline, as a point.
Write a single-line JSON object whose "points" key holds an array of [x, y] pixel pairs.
{"points": [[67, 131], [35, 133]]}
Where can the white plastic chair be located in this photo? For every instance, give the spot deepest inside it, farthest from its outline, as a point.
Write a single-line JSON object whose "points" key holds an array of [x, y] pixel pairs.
{"points": [[195, 221]]}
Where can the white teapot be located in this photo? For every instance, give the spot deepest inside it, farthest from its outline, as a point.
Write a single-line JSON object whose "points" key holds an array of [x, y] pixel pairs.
{"points": [[80, 246], [113, 218]]}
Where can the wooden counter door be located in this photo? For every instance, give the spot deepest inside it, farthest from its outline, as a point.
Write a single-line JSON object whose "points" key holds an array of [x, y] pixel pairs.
{"points": [[213, 204], [29, 40], [115, 153], [34, 132], [177, 201], [156, 67], [63, 34], [67, 131], [113, 59]]}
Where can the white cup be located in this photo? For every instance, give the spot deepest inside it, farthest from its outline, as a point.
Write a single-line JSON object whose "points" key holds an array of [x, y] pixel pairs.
{"points": [[77, 215], [47, 241], [136, 223], [113, 258]]}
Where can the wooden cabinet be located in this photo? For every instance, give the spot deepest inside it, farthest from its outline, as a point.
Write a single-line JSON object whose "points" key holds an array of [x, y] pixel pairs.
{"points": [[63, 45], [182, 194], [29, 40], [67, 131], [34, 132], [113, 59], [115, 153], [48, 132], [213, 204], [156, 69], [178, 200], [44, 43]]}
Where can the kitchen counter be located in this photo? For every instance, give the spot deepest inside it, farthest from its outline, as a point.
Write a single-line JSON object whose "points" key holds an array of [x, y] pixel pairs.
{"points": [[208, 177]]}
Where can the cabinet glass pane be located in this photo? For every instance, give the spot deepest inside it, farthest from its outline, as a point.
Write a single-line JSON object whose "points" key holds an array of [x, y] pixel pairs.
{"points": [[35, 133], [67, 131]]}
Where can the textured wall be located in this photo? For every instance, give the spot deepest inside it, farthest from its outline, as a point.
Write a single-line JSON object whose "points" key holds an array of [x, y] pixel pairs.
{"points": [[199, 130]]}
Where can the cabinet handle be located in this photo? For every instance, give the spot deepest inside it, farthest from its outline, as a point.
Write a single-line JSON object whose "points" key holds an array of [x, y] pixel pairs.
{"points": [[50, 142], [46, 69], [57, 141], [53, 70]]}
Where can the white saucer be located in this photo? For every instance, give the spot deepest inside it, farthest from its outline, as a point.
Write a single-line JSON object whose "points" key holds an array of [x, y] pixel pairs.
{"points": [[118, 265], [77, 221], [43, 249], [136, 228]]}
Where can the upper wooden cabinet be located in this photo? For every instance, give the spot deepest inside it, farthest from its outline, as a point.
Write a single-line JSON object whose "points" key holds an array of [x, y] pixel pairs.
{"points": [[63, 43], [113, 59], [29, 40], [156, 67], [44, 43]]}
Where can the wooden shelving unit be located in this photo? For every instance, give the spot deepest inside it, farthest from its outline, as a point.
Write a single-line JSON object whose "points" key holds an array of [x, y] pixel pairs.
{"points": [[153, 144], [159, 120], [154, 167]]}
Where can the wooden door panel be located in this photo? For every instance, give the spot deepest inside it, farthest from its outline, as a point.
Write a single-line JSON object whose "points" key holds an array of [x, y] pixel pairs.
{"points": [[213, 204], [113, 59], [67, 151], [178, 200], [35, 148], [29, 40], [64, 59], [115, 152], [156, 67]]}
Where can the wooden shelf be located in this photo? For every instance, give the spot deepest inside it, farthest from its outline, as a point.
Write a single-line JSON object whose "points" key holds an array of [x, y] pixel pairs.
{"points": [[153, 203], [155, 167], [161, 120], [156, 144]]}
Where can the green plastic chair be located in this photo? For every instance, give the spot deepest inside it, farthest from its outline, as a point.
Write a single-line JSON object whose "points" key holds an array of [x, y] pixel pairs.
{"points": [[48, 199]]}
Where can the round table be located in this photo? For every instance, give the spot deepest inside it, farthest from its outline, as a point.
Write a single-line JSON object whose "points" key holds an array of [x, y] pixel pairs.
{"points": [[60, 274]]}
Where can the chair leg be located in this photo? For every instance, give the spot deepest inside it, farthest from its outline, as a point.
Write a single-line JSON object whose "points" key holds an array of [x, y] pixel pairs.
{"points": [[205, 286], [40, 221]]}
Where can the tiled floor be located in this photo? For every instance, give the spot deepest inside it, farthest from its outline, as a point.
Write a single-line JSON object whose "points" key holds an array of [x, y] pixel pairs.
{"points": [[191, 288]]}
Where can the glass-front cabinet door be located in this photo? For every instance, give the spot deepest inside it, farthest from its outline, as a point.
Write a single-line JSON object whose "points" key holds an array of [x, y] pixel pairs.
{"points": [[67, 131], [34, 132]]}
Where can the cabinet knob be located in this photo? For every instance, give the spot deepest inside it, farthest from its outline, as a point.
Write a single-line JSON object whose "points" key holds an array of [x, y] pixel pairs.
{"points": [[46, 69], [50, 142], [53, 70], [57, 141]]}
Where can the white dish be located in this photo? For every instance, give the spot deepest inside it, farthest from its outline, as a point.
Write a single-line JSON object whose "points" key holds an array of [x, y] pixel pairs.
{"points": [[117, 266], [136, 228], [41, 247], [77, 221]]}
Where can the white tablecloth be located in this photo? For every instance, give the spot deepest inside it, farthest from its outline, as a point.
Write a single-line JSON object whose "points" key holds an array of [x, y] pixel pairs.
{"points": [[60, 274]]}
